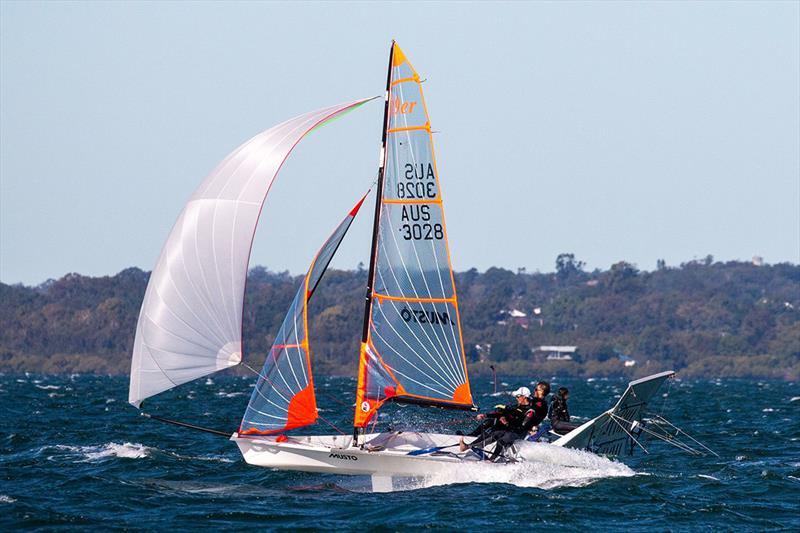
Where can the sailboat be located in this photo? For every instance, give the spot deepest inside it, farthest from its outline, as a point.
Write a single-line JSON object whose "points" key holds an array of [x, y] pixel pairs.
{"points": [[411, 351]]}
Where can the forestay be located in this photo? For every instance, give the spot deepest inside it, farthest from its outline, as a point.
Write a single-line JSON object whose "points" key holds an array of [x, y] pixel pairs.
{"points": [[283, 397], [413, 351], [190, 323]]}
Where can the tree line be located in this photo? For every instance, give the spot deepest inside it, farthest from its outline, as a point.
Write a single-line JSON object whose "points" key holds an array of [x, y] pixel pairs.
{"points": [[702, 318]]}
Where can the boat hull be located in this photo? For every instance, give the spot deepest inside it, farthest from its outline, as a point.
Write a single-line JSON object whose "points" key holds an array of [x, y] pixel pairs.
{"points": [[383, 454]]}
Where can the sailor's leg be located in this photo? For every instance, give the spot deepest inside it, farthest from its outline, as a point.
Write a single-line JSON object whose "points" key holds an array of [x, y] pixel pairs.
{"points": [[504, 440], [562, 428], [483, 427]]}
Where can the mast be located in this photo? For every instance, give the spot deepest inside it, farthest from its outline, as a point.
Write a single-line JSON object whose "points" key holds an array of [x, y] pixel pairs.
{"points": [[376, 219], [378, 199]]}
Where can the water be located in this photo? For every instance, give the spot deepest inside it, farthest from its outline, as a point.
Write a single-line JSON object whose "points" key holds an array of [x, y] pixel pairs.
{"points": [[76, 455]]}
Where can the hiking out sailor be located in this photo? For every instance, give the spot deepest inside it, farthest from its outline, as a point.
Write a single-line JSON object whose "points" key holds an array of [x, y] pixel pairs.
{"points": [[514, 424], [559, 413], [502, 416]]}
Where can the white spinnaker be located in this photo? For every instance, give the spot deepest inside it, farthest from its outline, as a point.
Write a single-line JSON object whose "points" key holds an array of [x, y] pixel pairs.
{"points": [[190, 323]]}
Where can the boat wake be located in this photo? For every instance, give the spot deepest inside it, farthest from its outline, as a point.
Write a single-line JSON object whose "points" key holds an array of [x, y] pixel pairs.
{"points": [[545, 467], [125, 450], [102, 452]]}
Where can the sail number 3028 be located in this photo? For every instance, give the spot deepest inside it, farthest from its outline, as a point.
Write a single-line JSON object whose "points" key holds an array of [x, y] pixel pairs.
{"points": [[422, 232], [420, 182], [416, 224]]}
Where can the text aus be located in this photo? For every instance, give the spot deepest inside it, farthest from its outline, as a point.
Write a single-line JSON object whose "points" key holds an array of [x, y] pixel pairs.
{"points": [[416, 224], [419, 182]]}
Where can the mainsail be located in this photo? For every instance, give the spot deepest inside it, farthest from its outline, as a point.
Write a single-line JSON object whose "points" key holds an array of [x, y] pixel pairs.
{"points": [[283, 397], [411, 350], [190, 323]]}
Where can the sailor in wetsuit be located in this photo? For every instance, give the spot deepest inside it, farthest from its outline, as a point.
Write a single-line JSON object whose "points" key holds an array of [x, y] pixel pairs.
{"points": [[538, 405], [515, 423], [559, 413], [501, 417]]}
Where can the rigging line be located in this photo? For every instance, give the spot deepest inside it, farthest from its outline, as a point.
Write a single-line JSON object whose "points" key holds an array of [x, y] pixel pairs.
{"points": [[331, 424], [447, 377], [679, 430], [671, 440], [614, 418], [335, 399], [416, 294], [187, 425]]}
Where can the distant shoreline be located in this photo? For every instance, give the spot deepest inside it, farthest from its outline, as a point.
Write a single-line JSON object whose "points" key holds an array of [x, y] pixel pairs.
{"points": [[701, 319], [718, 368]]}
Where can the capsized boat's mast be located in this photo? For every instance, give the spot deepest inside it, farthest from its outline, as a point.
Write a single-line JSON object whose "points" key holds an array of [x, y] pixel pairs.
{"points": [[376, 220]]}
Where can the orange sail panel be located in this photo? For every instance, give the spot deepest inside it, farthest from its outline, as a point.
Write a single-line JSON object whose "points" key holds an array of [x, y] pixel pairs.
{"points": [[283, 397], [413, 351]]}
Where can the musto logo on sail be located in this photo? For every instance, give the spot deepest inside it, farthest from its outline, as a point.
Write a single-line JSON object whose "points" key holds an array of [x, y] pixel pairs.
{"points": [[421, 316]]}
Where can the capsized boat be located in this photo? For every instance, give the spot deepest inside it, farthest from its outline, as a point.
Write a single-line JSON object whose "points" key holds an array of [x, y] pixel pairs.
{"points": [[411, 352]]}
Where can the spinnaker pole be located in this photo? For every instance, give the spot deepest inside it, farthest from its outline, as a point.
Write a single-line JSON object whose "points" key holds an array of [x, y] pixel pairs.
{"points": [[376, 220]]}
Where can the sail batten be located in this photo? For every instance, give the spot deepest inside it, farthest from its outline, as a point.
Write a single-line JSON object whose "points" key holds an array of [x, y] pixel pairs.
{"points": [[190, 323], [412, 348]]}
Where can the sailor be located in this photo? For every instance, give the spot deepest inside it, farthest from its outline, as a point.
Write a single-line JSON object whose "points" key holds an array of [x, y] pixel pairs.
{"points": [[515, 422], [503, 416], [559, 413], [538, 407]]}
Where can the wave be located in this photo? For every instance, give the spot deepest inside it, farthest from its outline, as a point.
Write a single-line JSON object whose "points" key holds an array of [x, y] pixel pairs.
{"points": [[7, 499], [126, 450], [545, 467]]}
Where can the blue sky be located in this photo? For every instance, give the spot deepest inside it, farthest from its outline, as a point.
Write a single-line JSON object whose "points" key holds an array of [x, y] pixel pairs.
{"points": [[634, 131]]}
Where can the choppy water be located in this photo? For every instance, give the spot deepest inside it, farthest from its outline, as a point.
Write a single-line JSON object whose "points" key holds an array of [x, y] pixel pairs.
{"points": [[76, 455]]}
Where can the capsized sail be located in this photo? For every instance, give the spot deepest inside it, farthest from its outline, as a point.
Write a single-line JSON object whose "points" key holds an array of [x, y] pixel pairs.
{"points": [[614, 431], [190, 323], [412, 350], [283, 397]]}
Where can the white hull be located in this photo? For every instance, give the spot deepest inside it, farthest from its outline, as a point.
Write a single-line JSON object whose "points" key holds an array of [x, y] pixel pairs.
{"points": [[385, 454]]}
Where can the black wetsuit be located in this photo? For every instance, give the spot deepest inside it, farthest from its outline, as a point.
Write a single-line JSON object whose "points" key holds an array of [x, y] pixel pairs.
{"points": [[559, 416], [492, 421], [521, 418], [539, 408]]}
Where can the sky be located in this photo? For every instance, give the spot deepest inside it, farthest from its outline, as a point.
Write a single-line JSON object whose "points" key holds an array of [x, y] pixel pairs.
{"points": [[614, 131]]}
